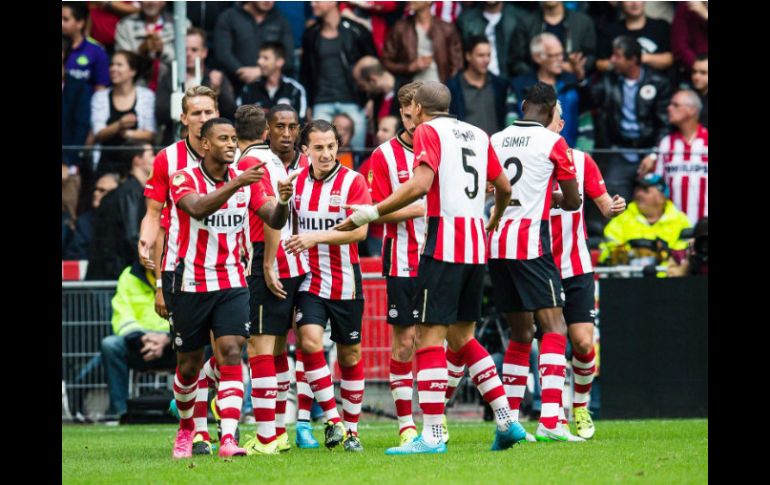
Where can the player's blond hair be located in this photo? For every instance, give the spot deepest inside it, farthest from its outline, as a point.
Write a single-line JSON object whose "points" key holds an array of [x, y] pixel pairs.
{"points": [[194, 91], [406, 93]]}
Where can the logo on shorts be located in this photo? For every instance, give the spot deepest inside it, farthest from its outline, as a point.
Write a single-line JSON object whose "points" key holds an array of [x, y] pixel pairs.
{"points": [[247, 325], [298, 317], [562, 295], [353, 334], [592, 313], [392, 313], [415, 314], [178, 341]]}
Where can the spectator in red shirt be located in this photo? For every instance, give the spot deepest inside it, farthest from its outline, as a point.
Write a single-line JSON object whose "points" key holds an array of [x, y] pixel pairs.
{"points": [[104, 19], [373, 15]]}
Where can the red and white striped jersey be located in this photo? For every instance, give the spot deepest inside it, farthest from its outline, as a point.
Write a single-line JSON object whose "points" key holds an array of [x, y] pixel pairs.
{"points": [[171, 159], [463, 160], [446, 10], [287, 266], [392, 166], [318, 205], [211, 250], [685, 167], [568, 231], [533, 156]]}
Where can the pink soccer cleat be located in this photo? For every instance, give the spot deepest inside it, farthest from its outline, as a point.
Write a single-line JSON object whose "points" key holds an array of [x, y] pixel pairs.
{"points": [[229, 447], [183, 444]]}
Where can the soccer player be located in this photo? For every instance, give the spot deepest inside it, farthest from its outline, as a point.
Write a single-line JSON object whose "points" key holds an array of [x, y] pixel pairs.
{"points": [[209, 280], [524, 277], [199, 105], [572, 257], [271, 315], [453, 162], [332, 289], [391, 166]]}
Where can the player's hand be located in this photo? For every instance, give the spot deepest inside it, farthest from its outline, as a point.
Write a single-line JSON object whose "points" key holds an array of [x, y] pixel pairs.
{"points": [[248, 75], [251, 175], [578, 62], [362, 214], [274, 283], [160, 304], [215, 80], [494, 221], [144, 254], [346, 225], [618, 205], [646, 165], [300, 242], [286, 187]]}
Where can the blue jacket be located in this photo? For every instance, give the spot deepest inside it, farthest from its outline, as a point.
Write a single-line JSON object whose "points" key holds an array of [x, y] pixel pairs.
{"points": [[457, 105], [567, 91], [75, 116]]}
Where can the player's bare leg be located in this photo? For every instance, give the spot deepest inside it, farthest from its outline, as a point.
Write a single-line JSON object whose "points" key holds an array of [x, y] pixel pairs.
{"points": [[351, 392], [402, 380]]}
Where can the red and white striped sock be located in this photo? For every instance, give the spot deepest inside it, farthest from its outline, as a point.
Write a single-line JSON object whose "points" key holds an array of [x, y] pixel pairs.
{"points": [[431, 390], [515, 373], [320, 380], [201, 410], [552, 368], [304, 393], [212, 372], [184, 393], [352, 395], [230, 398], [263, 392], [282, 376], [583, 370], [401, 384], [455, 371], [484, 374]]}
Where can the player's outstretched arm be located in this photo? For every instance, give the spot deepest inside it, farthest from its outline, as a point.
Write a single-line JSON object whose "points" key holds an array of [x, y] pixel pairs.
{"points": [[148, 232], [412, 211], [201, 206], [302, 242], [502, 197]]}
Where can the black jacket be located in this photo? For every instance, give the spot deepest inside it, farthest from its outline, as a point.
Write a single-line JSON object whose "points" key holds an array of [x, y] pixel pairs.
{"points": [[289, 92], [356, 43], [607, 96], [116, 231], [457, 105]]}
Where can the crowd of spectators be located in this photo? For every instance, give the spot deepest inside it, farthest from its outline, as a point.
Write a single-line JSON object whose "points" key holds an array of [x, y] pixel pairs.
{"points": [[632, 78]]}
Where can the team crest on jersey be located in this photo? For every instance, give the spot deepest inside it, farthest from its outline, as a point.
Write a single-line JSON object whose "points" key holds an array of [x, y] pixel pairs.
{"points": [[335, 199], [177, 180], [240, 197], [369, 176]]}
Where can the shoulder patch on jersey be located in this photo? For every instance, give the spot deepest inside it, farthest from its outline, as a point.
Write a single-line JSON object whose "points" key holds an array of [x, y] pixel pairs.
{"points": [[177, 180]]}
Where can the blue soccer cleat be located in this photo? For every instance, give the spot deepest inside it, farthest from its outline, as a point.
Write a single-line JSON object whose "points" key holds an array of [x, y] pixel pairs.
{"points": [[417, 446], [172, 408], [508, 438], [305, 437]]}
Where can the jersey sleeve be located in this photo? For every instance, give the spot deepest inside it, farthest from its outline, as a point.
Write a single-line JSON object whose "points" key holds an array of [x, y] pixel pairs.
{"points": [[358, 192], [165, 217], [157, 185], [593, 182], [493, 164], [427, 147], [380, 177], [182, 184], [562, 160], [260, 194]]}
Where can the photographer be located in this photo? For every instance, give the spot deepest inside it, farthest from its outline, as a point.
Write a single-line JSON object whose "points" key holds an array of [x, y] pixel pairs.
{"points": [[694, 259]]}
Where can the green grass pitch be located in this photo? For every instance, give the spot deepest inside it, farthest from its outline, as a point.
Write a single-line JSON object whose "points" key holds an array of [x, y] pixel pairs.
{"points": [[651, 451]]}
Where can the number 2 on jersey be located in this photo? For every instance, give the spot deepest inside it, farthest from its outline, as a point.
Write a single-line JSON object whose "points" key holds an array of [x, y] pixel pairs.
{"points": [[467, 152], [519, 172]]}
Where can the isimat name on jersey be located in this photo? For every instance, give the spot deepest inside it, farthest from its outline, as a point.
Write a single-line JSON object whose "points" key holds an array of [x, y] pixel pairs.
{"points": [[516, 141]]}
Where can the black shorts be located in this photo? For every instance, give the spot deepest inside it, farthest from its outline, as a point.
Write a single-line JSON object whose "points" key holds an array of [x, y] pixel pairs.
{"points": [[402, 301], [525, 285], [167, 279], [580, 304], [270, 315], [225, 312], [345, 316], [449, 292]]}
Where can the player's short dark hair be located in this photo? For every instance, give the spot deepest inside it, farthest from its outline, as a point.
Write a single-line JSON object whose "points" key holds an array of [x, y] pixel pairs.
{"points": [[278, 49], [207, 126], [198, 31], [250, 122], [542, 95], [629, 47], [280, 108], [434, 97], [321, 126], [79, 10], [472, 42]]}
